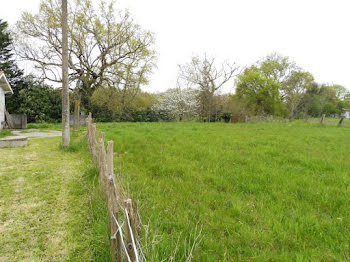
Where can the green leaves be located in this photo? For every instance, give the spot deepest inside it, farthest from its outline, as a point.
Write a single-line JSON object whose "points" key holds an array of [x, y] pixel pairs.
{"points": [[102, 43], [259, 92]]}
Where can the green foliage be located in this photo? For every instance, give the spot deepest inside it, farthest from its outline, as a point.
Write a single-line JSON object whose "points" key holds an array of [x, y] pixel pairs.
{"points": [[275, 66], [294, 89], [277, 86], [107, 106], [324, 99], [260, 93], [226, 116], [7, 64], [107, 47], [261, 191], [39, 102]]}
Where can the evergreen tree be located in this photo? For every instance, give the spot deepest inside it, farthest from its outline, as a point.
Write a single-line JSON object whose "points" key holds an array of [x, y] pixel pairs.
{"points": [[7, 64]]}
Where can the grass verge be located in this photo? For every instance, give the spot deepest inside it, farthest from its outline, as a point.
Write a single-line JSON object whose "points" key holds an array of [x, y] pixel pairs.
{"points": [[51, 207]]}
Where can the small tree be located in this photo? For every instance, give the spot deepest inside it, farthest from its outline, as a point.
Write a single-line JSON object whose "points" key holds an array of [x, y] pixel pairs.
{"points": [[208, 77], [260, 93], [181, 103], [294, 89]]}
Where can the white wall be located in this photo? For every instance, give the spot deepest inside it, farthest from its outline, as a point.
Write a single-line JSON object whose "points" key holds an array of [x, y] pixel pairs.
{"points": [[347, 114], [2, 107]]}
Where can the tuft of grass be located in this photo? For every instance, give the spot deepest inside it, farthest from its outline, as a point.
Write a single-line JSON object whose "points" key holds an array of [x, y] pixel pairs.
{"points": [[4, 133], [45, 125], [259, 191]]}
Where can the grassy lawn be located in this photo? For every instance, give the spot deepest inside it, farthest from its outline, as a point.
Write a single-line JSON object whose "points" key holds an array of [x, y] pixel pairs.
{"points": [[4, 133], [260, 191], [45, 126], [50, 206]]}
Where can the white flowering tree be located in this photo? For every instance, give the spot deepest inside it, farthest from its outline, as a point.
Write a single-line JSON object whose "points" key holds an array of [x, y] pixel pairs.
{"points": [[179, 103]]}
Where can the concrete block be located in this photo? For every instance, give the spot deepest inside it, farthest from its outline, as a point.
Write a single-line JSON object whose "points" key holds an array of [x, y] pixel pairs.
{"points": [[13, 141]]}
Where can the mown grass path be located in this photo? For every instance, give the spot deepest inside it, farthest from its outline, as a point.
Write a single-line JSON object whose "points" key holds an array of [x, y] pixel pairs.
{"points": [[45, 204]]}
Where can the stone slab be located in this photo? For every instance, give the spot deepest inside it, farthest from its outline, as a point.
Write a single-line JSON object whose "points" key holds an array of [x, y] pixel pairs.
{"points": [[13, 141]]}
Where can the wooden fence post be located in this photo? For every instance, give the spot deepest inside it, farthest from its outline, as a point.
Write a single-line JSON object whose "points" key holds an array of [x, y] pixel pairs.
{"points": [[106, 172], [88, 133], [322, 118], [130, 231], [93, 142], [102, 162], [116, 248]]}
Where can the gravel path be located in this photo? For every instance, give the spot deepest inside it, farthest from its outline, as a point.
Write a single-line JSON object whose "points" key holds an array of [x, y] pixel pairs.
{"points": [[37, 133]]}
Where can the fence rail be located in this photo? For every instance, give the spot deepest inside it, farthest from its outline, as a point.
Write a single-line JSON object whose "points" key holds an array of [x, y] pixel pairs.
{"points": [[124, 246]]}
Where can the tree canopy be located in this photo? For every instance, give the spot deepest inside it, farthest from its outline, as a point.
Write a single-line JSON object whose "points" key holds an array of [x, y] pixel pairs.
{"points": [[105, 48]]}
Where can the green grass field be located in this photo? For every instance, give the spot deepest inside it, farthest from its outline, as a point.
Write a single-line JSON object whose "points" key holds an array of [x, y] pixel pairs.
{"points": [[258, 191]]}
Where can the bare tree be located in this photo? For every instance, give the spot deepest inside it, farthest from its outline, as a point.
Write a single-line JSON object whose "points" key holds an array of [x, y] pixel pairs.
{"points": [[65, 82], [208, 77]]}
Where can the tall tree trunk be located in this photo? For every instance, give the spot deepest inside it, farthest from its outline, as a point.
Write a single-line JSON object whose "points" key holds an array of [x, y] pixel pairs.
{"points": [[65, 92]]}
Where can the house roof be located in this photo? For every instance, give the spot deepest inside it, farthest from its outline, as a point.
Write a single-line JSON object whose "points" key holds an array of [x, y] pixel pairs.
{"points": [[4, 84]]}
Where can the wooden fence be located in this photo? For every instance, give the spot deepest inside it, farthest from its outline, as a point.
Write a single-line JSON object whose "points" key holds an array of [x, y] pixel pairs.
{"points": [[124, 240]]}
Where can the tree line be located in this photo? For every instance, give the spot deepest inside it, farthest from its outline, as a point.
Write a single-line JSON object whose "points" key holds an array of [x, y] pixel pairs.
{"points": [[110, 59]]}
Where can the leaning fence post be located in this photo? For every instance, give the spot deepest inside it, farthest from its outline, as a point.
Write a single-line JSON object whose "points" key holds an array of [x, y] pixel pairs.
{"points": [[130, 231], [93, 142]]}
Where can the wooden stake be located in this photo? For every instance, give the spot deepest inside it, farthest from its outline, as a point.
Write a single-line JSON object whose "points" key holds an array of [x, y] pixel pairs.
{"points": [[110, 164], [93, 142], [116, 247], [102, 162], [130, 231]]}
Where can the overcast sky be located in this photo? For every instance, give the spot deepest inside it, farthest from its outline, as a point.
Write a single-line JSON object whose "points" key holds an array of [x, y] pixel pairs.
{"points": [[313, 33]]}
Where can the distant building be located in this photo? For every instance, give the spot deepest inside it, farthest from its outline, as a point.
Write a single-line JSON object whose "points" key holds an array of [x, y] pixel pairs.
{"points": [[5, 89], [346, 113]]}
